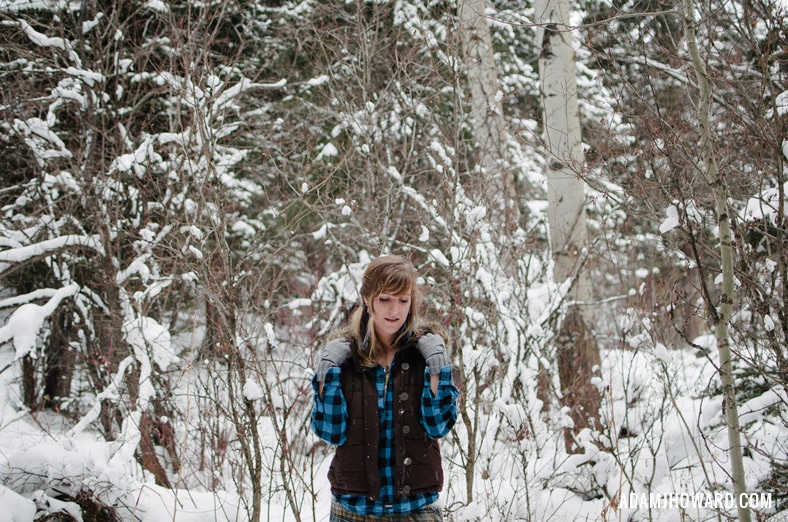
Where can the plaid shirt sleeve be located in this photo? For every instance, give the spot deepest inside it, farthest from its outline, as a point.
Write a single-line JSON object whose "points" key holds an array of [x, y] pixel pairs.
{"points": [[329, 412], [439, 412]]}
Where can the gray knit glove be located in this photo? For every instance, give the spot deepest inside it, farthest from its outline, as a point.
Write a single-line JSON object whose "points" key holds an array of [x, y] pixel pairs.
{"points": [[433, 348], [334, 354]]}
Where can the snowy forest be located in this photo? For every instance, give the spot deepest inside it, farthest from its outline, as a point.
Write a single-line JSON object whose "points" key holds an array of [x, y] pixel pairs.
{"points": [[593, 193]]}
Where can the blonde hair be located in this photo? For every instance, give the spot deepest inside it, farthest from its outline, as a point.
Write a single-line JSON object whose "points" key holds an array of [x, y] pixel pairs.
{"points": [[389, 274]]}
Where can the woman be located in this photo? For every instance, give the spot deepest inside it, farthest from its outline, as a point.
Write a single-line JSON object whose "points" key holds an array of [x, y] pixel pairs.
{"points": [[383, 395]]}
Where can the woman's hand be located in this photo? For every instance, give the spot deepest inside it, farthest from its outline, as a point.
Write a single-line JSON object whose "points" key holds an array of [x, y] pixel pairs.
{"points": [[334, 354], [433, 349]]}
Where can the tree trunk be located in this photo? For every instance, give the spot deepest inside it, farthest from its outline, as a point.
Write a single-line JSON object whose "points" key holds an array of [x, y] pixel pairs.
{"points": [[577, 350], [219, 312], [60, 360], [489, 126], [722, 316], [578, 357], [147, 453]]}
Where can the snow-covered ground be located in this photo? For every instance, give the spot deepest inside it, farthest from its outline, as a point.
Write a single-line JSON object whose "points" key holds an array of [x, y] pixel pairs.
{"points": [[661, 455]]}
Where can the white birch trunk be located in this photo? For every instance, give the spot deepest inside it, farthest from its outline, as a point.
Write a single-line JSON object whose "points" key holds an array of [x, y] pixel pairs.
{"points": [[723, 315], [489, 126], [563, 143], [577, 352]]}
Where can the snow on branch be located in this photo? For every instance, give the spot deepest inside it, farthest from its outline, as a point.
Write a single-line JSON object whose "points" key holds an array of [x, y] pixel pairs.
{"points": [[136, 161], [26, 321], [43, 142], [111, 392], [242, 86], [14, 256], [43, 40], [766, 205], [41, 293]]}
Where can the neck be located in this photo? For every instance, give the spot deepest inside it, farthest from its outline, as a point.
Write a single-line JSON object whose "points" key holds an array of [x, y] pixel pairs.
{"points": [[387, 355], [386, 343]]}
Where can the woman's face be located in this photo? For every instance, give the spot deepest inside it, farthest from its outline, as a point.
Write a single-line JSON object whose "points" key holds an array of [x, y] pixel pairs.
{"points": [[389, 313]]}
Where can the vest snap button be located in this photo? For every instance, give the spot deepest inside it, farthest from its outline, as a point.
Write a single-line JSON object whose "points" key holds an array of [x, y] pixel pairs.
{"points": [[403, 396], [405, 366], [407, 461], [406, 429], [406, 490]]}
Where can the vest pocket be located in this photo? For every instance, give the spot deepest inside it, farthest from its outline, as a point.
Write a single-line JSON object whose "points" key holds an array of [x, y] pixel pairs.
{"points": [[350, 458], [355, 432], [347, 473]]}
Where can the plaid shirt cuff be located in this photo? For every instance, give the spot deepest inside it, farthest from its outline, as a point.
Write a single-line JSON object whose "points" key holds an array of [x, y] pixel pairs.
{"points": [[329, 412], [439, 412]]}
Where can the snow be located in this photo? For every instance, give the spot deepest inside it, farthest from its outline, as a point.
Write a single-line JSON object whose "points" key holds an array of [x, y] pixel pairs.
{"points": [[765, 206], [319, 80], [781, 102], [328, 150], [438, 256], [21, 253], [252, 391], [157, 5], [661, 424], [768, 323], [27, 320], [89, 77], [42, 141], [35, 457], [16, 508], [661, 352], [672, 220], [675, 438], [42, 39]]}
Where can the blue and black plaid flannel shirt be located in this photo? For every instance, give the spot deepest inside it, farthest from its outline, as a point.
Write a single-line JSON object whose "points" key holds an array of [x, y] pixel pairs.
{"points": [[329, 422]]}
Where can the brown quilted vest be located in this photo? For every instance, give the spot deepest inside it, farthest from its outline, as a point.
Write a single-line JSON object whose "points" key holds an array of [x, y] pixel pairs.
{"points": [[354, 469]]}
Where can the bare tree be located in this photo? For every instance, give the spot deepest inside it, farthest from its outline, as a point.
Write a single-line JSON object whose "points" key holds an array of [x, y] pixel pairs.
{"points": [[578, 353], [721, 317], [496, 180], [708, 155]]}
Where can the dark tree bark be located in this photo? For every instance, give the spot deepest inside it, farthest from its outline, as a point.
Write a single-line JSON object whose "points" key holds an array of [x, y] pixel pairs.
{"points": [[578, 359]]}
